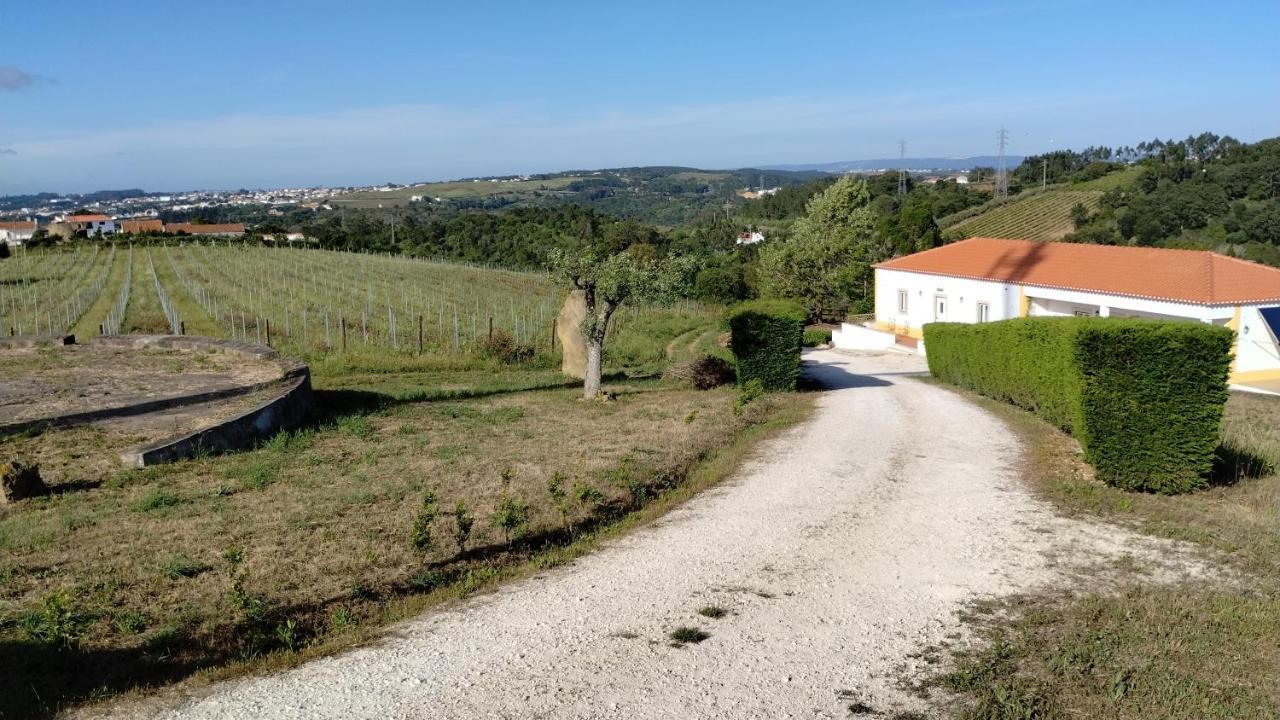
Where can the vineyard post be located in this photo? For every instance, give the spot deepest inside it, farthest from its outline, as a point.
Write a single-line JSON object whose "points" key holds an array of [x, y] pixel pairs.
{"points": [[419, 334], [342, 322], [268, 324], [101, 330], [182, 327], [553, 334], [491, 328]]}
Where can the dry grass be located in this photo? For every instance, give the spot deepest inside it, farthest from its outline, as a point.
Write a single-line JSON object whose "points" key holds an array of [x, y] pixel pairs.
{"points": [[1141, 650], [133, 578]]}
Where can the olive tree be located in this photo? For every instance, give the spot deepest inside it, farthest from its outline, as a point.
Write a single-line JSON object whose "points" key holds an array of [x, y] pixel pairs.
{"points": [[607, 281]]}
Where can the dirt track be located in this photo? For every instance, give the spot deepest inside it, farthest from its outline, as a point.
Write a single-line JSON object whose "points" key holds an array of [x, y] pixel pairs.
{"points": [[842, 550]]}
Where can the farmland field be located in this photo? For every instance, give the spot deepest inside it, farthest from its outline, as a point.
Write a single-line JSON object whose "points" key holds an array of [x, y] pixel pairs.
{"points": [[313, 304], [1042, 216], [452, 190], [232, 563]]}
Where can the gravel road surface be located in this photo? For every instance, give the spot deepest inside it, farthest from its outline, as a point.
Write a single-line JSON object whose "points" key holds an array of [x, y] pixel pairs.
{"points": [[844, 548]]}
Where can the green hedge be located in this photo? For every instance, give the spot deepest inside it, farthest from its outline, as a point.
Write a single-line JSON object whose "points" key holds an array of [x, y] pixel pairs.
{"points": [[1144, 397], [765, 340]]}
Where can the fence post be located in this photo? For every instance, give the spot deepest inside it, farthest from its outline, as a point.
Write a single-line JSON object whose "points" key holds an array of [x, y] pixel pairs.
{"points": [[267, 322], [342, 322], [553, 333], [491, 327], [419, 334], [102, 330]]}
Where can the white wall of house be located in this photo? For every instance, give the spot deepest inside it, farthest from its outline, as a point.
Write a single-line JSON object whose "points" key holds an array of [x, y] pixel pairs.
{"points": [[931, 298], [1256, 349], [106, 227]]}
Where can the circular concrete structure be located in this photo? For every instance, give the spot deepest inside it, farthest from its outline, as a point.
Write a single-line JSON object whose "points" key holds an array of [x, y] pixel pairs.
{"points": [[177, 395]]}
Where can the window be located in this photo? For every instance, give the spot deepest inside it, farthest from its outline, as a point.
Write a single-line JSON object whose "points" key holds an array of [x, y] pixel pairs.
{"points": [[1083, 313], [902, 301], [984, 312]]}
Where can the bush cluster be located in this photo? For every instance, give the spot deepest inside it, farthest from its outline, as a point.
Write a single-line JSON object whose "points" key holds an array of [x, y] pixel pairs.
{"points": [[502, 346], [817, 336], [704, 373], [765, 337], [1144, 398]]}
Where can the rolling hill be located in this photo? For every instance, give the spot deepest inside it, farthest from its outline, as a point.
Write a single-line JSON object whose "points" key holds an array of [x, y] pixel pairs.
{"points": [[1039, 216]]}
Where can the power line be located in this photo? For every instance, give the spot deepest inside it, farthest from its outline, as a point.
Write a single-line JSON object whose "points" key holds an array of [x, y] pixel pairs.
{"points": [[902, 167], [1002, 169]]}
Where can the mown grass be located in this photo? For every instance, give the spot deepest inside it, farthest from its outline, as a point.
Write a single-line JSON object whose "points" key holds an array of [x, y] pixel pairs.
{"points": [[221, 565], [1131, 648]]}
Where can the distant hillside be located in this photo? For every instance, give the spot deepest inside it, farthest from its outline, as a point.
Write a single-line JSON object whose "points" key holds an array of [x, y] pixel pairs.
{"points": [[937, 164], [659, 195]]}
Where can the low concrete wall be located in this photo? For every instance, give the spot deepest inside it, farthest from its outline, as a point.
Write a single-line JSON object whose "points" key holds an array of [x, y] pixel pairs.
{"points": [[289, 370], [285, 411], [30, 341], [856, 337]]}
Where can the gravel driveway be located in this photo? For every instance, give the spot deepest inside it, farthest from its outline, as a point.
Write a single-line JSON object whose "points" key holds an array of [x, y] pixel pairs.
{"points": [[842, 550]]}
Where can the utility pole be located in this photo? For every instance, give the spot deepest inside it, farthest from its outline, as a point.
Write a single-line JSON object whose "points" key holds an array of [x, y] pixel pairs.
{"points": [[902, 167], [1044, 173], [1002, 169]]}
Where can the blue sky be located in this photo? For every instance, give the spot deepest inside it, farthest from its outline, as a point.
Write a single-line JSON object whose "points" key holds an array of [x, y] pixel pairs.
{"points": [[180, 95]]}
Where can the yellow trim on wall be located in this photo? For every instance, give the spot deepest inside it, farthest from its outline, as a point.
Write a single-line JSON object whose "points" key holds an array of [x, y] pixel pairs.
{"points": [[1024, 305], [1234, 324], [1255, 375], [889, 327]]}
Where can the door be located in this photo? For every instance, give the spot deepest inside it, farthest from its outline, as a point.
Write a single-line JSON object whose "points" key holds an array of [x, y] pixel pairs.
{"points": [[939, 308]]}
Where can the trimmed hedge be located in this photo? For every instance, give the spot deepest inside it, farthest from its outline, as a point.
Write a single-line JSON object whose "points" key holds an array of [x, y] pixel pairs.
{"points": [[1143, 397], [765, 337]]}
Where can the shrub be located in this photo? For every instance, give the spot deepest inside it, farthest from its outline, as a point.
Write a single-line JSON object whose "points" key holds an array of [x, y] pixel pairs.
{"points": [[420, 537], [1144, 398], [510, 516], [502, 346], [765, 337], [816, 336], [462, 522], [704, 373]]}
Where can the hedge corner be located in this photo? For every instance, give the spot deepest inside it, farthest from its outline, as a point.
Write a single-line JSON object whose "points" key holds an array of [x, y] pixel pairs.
{"points": [[765, 337]]}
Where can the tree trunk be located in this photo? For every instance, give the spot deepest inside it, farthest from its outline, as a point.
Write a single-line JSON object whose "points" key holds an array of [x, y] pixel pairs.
{"points": [[591, 383]]}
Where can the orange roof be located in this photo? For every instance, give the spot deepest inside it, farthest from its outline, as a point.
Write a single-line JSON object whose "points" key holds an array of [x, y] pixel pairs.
{"points": [[1192, 276], [18, 225], [210, 229], [140, 226], [88, 218]]}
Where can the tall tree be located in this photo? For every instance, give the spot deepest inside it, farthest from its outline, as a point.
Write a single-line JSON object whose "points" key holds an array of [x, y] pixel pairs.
{"points": [[827, 259]]}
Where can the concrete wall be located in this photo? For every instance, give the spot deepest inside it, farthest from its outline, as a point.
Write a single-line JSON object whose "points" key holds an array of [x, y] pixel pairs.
{"points": [[856, 337], [962, 297], [285, 411]]}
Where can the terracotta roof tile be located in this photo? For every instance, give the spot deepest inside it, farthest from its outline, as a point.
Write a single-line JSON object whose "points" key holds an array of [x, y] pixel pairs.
{"points": [[140, 226], [1194, 276], [201, 229]]}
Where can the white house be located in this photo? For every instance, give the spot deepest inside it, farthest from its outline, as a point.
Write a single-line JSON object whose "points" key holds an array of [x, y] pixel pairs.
{"points": [[17, 232], [92, 224], [983, 279], [750, 238]]}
